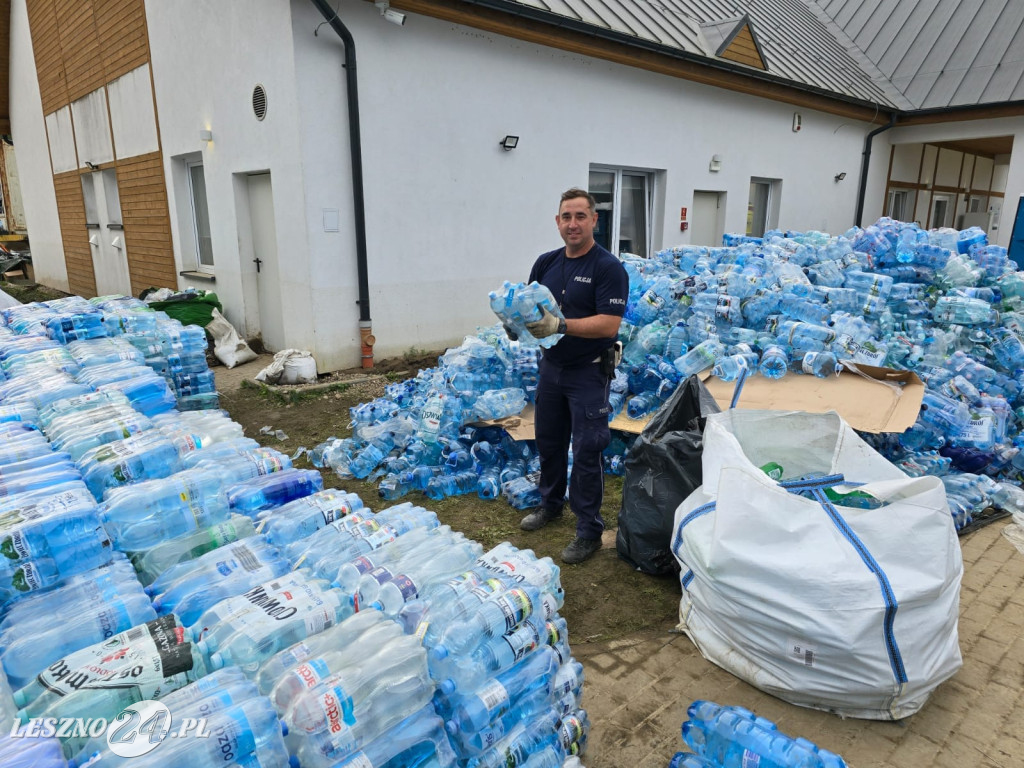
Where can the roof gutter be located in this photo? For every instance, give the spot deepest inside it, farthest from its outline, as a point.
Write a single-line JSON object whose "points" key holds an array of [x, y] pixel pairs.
{"points": [[865, 162], [356, 151]]}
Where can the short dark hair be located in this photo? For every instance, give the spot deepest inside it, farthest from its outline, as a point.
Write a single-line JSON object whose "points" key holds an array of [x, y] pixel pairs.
{"points": [[575, 192]]}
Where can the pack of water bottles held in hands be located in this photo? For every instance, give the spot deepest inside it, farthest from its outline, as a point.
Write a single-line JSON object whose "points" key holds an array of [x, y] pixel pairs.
{"points": [[734, 737]]}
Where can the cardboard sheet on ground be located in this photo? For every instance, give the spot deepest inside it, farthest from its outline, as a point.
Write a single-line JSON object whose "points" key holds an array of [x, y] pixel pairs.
{"points": [[869, 398], [519, 427]]}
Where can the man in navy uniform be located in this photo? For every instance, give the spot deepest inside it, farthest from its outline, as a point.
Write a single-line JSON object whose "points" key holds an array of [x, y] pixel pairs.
{"points": [[591, 287]]}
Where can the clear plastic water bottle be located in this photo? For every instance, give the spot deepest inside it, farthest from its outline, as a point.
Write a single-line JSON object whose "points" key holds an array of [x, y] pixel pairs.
{"points": [[36, 647], [699, 358], [155, 560], [821, 364], [188, 589], [499, 403], [473, 712], [676, 341], [303, 517], [774, 362], [274, 490], [288, 674]]}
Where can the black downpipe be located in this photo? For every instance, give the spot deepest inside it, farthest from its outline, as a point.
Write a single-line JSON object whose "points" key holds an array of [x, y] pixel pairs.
{"points": [[862, 187], [355, 146]]}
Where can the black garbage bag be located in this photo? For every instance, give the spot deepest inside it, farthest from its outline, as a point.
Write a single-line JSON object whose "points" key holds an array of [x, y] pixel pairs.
{"points": [[663, 467]]}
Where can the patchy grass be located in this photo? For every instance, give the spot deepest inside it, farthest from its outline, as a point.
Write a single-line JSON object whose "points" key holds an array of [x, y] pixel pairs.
{"points": [[605, 597]]}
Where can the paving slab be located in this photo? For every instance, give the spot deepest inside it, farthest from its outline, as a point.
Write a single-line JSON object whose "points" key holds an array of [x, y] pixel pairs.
{"points": [[637, 688]]}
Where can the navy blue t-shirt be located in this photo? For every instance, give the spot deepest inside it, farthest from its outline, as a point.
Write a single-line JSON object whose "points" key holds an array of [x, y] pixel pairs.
{"points": [[593, 284]]}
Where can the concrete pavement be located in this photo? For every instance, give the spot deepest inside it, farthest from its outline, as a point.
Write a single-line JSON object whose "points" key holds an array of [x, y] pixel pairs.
{"points": [[637, 689]]}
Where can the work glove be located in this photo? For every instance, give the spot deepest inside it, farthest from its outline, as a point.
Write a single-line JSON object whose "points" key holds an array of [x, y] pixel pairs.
{"points": [[512, 335], [546, 326]]}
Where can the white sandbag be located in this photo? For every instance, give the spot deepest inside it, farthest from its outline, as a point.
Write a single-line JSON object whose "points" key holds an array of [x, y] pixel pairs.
{"points": [[843, 609], [228, 346], [290, 366], [299, 369]]}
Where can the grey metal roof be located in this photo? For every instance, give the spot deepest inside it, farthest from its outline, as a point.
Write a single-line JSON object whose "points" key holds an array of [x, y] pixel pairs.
{"points": [[798, 42], [939, 53], [903, 54]]}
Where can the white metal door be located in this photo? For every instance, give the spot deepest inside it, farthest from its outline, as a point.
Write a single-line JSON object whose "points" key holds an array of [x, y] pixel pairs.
{"points": [[106, 239], [708, 219], [264, 245]]}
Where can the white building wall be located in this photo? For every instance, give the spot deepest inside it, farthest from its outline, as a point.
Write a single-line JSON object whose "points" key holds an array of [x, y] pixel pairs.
{"points": [[132, 116], [204, 74], [449, 214], [33, 157]]}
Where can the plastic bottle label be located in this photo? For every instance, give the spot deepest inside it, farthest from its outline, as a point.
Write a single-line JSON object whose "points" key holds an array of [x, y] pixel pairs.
{"points": [[223, 534], [550, 606], [381, 575], [406, 586], [311, 673], [15, 546], [493, 695], [522, 641], [303, 600], [808, 364], [978, 430], [336, 707], [152, 661], [750, 759], [27, 578], [363, 565], [569, 734], [515, 605], [383, 535], [359, 760]]}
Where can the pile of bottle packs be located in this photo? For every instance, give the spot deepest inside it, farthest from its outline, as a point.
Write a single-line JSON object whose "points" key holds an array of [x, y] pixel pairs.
{"points": [[153, 555], [733, 736], [942, 303]]}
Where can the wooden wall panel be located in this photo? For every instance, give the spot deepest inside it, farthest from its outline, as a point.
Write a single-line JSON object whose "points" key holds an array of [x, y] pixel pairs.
{"points": [[147, 223], [42, 20], [80, 45], [121, 28], [73, 232]]}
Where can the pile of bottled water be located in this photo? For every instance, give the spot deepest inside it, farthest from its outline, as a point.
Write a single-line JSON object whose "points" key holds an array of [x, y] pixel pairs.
{"points": [[943, 303], [153, 554], [734, 736]]}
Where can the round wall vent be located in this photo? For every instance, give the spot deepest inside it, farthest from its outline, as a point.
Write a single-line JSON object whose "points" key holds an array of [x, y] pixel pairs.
{"points": [[259, 102]]}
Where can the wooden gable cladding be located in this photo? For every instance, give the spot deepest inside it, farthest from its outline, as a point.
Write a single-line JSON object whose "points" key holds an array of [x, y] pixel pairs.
{"points": [[147, 224], [42, 21], [74, 234], [123, 37], [743, 50], [81, 45]]}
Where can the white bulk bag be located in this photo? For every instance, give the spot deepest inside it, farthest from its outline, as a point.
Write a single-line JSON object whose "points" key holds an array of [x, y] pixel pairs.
{"points": [[847, 610]]}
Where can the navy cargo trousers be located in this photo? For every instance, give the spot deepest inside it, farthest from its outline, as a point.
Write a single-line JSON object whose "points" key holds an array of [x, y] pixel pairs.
{"points": [[572, 403]]}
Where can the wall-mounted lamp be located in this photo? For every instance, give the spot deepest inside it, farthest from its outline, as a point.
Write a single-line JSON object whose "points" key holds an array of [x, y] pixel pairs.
{"points": [[389, 13], [509, 143], [206, 136], [716, 164], [92, 166], [840, 176]]}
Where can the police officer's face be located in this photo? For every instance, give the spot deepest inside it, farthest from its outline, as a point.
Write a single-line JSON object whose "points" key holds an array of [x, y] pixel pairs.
{"points": [[576, 223]]}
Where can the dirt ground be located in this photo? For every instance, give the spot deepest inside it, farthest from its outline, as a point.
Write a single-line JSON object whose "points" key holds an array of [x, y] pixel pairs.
{"points": [[605, 598]]}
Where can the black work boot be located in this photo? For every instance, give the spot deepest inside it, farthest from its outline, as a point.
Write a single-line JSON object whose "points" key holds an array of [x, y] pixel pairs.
{"points": [[580, 549], [539, 518]]}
